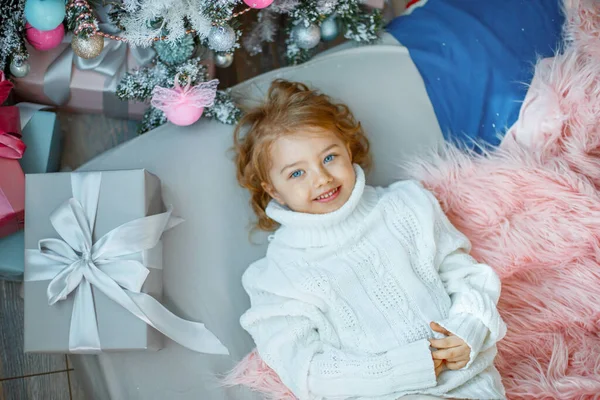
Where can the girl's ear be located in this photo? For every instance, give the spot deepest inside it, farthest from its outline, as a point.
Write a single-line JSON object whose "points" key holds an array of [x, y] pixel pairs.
{"points": [[349, 150], [267, 187]]}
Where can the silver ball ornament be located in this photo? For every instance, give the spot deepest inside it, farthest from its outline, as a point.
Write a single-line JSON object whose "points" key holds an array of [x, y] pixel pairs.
{"points": [[221, 38], [87, 48], [306, 37], [330, 28], [223, 60], [19, 69]]}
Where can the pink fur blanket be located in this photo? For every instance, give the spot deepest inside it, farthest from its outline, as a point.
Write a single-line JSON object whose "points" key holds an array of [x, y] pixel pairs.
{"points": [[532, 212]]}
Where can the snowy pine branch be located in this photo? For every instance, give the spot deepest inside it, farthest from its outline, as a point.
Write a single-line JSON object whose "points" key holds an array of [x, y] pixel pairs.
{"points": [[12, 32]]}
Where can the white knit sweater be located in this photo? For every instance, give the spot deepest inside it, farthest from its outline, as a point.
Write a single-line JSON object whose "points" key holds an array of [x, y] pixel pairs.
{"points": [[341, 304]]}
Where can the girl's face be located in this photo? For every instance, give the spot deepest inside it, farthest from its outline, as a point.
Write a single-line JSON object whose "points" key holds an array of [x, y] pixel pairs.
{"points": [[311, 172]]}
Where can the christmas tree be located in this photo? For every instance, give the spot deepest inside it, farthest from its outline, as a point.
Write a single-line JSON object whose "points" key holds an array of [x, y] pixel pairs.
{"points": [[12, 36], [180, 31], [305, 22]]}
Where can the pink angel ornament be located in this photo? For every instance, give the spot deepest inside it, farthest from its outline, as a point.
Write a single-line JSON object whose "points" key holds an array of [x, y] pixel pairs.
{"points": [[184, 105]]}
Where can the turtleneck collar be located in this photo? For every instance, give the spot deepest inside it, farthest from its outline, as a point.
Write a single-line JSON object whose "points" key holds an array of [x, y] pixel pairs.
{"points": [[301, 230]]}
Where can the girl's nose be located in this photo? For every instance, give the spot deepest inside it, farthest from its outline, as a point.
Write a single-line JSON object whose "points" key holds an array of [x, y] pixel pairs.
{"points": [[323, 177]]}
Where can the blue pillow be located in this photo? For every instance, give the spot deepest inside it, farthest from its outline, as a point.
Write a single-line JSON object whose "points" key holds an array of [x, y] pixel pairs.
{"points": [[476, 58]]}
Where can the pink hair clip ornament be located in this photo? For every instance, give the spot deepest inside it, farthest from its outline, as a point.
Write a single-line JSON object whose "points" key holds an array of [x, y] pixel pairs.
{"points": [[184, 105]]}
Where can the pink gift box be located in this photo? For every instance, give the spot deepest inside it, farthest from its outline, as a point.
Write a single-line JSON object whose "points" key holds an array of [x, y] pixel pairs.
{"points": [[12, 179], [12, 196], [86, 87], [10, 120]]}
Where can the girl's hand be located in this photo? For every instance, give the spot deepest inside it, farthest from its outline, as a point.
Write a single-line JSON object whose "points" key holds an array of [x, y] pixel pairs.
{"points": [[451, 349], [439, 367]]}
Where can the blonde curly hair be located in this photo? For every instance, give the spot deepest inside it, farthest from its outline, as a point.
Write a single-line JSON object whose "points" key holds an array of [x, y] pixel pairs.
{"points": [[289, 107]]}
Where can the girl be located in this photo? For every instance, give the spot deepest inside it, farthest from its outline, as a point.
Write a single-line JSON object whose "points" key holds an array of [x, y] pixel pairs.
{"points": [[364, 293]]}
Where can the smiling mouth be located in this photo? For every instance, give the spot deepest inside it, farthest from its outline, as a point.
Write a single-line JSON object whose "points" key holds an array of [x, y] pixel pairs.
{"points": [[332, 194]]}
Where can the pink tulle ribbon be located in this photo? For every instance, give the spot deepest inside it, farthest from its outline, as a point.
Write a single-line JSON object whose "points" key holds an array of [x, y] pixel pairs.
{"points": [[200, 96]]}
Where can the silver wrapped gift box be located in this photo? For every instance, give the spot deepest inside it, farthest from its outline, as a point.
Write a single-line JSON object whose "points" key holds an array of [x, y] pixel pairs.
{"points": [[93, 265]]}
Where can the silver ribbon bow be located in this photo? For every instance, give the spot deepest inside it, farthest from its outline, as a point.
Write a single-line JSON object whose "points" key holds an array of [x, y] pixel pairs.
{"points": [[111, 265], [111, 62]]}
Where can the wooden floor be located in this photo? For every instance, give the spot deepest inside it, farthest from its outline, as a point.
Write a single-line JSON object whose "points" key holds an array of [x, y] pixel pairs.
{"points": [[48, 377]]}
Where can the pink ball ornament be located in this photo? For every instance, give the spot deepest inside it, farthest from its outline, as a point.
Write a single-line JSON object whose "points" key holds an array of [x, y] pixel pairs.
{"points": [[184, 105], [258, 4], [184, 114], [44, 40]]}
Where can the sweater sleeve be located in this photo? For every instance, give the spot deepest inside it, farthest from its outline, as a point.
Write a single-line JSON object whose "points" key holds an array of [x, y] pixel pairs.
{"points": [[288, 331], [474, 288]]}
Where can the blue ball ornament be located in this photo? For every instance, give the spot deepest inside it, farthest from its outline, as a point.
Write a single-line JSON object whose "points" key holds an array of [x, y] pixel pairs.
{"points": [[330, 28], [45, 15]]}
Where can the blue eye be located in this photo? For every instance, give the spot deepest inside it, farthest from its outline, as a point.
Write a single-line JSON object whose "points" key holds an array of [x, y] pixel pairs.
{"points": [[297, 174], [329, 158]]}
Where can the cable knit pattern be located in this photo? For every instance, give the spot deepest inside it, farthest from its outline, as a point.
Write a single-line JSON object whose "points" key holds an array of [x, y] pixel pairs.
{"points": [[341, 304]]}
